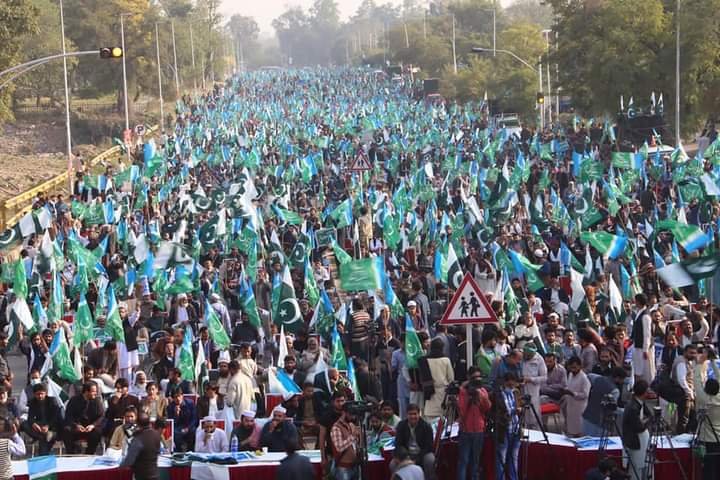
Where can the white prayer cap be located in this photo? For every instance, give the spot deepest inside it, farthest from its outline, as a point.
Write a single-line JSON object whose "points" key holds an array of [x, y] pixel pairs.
{"points": [[248, 414], [279, 409], [224, 357], [208, 418]]}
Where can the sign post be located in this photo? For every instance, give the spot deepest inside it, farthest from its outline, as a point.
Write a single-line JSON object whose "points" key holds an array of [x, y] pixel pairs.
{"points": [[468, 306], [360, 164]]}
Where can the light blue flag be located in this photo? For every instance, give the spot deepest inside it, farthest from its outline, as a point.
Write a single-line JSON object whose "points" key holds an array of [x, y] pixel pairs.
{"points": [[280, 383], [42, 468]]}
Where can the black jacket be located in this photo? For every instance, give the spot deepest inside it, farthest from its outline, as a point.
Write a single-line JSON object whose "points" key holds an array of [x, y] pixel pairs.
{"points": [[46, 412], [423, 436], [632, 425], [84, 412], [203, 405], [142, 455]]}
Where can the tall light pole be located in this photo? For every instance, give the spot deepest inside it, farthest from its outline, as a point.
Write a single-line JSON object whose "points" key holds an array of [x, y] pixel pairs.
{"points": [[453, 45], [159, 72], [124, 70], [192, 56], [524, 62], [67, 102], [677, 73], [540, 87], [177, 76], [546, 34]]}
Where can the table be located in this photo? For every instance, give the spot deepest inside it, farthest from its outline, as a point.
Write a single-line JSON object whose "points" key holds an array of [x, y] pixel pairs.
{"points": [[81, 468], [562, 459]]}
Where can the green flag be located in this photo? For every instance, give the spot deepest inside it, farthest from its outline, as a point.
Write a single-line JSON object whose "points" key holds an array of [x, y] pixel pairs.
{"points": [[286, 311], [413, 347], [623, 160], [590, 170], [609, 245], [340, 254], [312, 293], [454, 273], [337, 357], [20, 280], [60, 353], [691, 237], [113, 322], [364, 274], [215, 327], [298, 255], [186, 362], [83, 325]]}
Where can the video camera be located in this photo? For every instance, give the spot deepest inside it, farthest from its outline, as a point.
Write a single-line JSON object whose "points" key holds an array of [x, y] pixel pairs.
{"points": [[609, 403], [453, 388], [358, 408]]}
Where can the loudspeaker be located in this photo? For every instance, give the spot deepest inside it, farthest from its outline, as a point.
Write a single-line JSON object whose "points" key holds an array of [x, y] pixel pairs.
{"points": [[431, 85]]}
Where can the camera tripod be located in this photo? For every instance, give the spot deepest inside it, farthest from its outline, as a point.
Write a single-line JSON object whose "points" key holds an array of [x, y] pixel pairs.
{"points": [[658, 429], [524, 438], [697, 445], [445, 423], [610, 425]]}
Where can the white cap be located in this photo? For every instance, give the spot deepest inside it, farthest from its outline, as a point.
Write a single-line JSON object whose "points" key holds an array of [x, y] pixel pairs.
{"points": [[412, 303], [208, 418], [224, 357], [248, 414], [279, 409]]}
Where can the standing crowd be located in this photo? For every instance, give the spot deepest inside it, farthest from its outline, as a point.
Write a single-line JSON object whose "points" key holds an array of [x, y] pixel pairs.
{"points": [[240, 286]]}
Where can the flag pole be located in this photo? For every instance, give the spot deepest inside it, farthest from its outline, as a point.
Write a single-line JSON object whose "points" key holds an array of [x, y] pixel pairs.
{"points": [[469, 345]]}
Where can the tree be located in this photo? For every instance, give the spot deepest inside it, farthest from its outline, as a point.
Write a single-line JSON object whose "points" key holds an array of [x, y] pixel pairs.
{"points": [[18, 18], [46, 80], [627, 47], [88, 31], [244, 31], [530, 11]]}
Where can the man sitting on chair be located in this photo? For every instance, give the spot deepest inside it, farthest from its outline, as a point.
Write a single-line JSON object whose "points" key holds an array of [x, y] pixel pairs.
{"points": [[43, 419], [84, 415], [122, 436], [209, 438]]}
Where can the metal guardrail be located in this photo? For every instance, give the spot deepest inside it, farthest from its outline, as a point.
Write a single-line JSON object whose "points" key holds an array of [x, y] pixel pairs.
{"points": [[13, 209]]}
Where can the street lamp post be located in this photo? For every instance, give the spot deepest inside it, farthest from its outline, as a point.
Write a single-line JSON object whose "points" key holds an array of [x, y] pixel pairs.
{"points": [[68, 133], [159, 72], [453, 45], [524, 62], [124, 70], [177, 76], [677, 73], [192, 57]]}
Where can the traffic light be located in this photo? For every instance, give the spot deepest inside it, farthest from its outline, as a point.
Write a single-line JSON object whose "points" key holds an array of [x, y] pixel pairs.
{"points": [[540, 98], [111, 52]]}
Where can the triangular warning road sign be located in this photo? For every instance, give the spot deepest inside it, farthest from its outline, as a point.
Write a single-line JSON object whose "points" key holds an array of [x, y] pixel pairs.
{"points": [[468, 305], [360, 163]]}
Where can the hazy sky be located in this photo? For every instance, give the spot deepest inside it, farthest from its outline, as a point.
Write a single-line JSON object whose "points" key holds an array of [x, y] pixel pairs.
{"points": [[264, 11]]}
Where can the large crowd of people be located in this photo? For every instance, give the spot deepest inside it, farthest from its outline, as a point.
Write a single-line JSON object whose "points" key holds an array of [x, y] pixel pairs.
{"points": [[245, 276]]}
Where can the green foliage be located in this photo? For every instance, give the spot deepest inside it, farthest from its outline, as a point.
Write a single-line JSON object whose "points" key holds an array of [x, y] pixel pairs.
{"points": [[46, 80], [17, 18], [627, 47]]}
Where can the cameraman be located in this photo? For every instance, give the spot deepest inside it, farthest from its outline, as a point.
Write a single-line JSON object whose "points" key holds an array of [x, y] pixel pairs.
{"points": [[473, 405], [635, 436], [345, 436], [505, 412], [708, 400]]}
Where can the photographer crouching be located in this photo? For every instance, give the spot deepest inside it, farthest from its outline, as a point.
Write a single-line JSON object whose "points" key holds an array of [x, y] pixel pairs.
{"points": [[473, 406]]}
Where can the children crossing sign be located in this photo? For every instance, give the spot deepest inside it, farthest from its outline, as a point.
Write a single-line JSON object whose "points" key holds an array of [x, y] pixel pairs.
{"points": [[361, 163], [469, 305]]}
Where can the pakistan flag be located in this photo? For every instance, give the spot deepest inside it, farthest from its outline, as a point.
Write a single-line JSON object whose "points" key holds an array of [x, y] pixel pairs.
{"points": [[286, 311]]}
